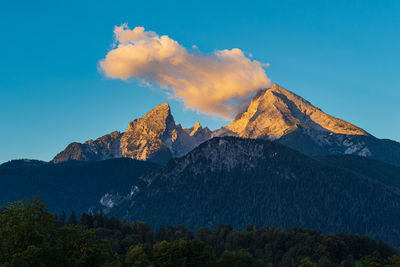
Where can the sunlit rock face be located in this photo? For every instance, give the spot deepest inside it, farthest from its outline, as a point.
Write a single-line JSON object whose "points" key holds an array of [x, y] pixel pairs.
{"points": [[278, 114], [155, 137], [145, 138], [276, 111]]}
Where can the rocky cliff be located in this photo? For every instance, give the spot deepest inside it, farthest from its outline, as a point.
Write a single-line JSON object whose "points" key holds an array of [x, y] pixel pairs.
{"points": [[155, 137], [274, 114], [276, 111]]}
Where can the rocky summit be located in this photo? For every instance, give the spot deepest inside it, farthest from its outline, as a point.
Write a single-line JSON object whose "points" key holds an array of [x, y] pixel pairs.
{"points": [[280, 115], [276, 111], [275, 114], [155, 137]]}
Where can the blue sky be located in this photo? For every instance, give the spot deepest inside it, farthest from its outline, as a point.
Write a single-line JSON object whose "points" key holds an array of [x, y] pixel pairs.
{"points": [[342, 56]]}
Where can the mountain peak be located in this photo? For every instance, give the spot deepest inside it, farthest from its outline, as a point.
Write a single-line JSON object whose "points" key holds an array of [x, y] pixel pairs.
{"points": [[144, 138], [276, 87], [197, 125], [276, 111], [195, 128], [159, 112], [161, 107]]}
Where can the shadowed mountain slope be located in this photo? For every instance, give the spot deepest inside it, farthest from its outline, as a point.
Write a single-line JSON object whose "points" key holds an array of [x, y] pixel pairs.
{"points": [[69, 186], [239, 181]]}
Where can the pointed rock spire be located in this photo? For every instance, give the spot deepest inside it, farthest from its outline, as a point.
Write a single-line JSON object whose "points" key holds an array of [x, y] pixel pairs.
{"points": [[144, 138], [196, 127]]}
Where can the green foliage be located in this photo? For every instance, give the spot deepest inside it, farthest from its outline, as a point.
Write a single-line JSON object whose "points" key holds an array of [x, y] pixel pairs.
{"points": [[183, 253], [139, 256], [373, 260], [394, 261], [26, 230], [32, 236], [239, 258], [29, 237], [306, 262]]}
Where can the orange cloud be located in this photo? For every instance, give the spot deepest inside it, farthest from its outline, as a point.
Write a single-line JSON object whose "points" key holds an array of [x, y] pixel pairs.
{"points": [[217, 83]]}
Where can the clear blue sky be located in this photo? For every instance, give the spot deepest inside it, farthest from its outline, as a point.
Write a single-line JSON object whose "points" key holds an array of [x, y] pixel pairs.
{"points": [[343, 56]]}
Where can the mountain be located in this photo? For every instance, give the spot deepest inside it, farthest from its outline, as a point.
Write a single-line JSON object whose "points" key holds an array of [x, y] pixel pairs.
{"points": [[105, 147], [314, 144], [278, 114], [155, 138], [238, 181], [146, 138], [68, 186], [276, 111], [374, 169], [274, 114]]}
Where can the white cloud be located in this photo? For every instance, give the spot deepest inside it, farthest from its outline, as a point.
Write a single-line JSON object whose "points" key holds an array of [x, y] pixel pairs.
{"points": [[217, 83]]}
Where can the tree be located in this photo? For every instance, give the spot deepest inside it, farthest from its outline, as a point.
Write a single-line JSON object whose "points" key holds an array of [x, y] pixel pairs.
{"points": [[306, 262], [325, 262], [183, 253], [161, 234], [74, 246], [394, 261], [238, 259], [62, 219], [143, 232], [112, 223], [72, 219], [373, 260], [32, 236], [29, 237], [204, 234], [26, 232], [348, 262], [139, 256], [86, 220]]}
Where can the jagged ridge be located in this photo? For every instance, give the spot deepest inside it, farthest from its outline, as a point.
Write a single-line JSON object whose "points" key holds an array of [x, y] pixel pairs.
{"points": [[155, 137], [274, 113]]}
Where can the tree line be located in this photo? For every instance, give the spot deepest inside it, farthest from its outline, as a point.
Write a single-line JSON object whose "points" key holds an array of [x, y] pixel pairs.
{"points": [[30, 235]]}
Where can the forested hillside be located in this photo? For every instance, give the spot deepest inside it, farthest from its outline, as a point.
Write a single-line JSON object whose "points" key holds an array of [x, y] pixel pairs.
{"points": [[372, 168], [238, 181], [70, 186], [32, 236]]}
